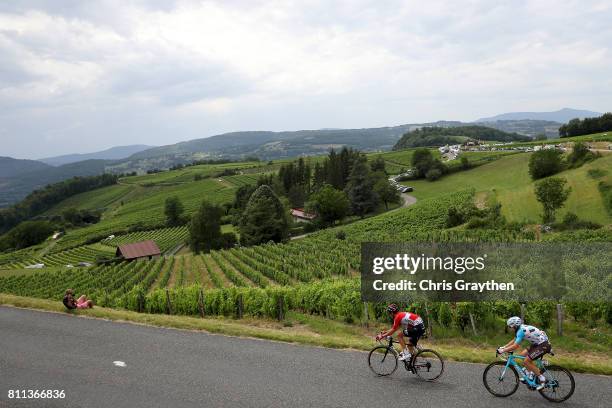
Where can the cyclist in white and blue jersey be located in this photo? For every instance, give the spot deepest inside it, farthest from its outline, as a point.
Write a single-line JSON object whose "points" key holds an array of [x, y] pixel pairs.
{"points": [[538, 347]]}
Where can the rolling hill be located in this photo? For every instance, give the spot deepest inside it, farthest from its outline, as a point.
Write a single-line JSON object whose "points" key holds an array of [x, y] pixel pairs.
{"points": [[37, 175], [10, 167], [238, 146], [277, 145], [506, 181], [562, 115], [114, 153], [437, 136]]}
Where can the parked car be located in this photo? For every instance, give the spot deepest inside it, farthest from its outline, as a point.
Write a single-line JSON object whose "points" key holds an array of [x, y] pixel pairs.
{"points": [[84, 264], [409, 189], [36, 266]]}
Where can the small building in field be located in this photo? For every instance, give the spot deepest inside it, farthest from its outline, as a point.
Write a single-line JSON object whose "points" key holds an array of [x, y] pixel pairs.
{"points": [[138, 250], [300, 215]]}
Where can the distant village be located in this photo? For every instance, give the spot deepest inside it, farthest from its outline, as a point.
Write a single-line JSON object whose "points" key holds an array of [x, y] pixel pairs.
{"points": [[451, 152]]}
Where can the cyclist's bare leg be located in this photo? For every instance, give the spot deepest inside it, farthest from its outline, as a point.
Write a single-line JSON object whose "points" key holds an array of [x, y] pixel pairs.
{"points": [[529, 364], [402, 341], [410, 347]]}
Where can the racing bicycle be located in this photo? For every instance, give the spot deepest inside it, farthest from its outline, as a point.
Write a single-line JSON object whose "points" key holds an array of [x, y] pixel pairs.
{"points": [[501, 378], [425, 363]]}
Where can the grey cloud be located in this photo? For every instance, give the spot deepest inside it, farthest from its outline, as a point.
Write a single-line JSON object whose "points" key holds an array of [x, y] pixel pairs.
{"points": [[174, 83], [104, 73]]}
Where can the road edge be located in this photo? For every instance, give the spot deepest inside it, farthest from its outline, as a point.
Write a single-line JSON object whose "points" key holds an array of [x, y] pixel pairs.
{"points": [[234, 328]]}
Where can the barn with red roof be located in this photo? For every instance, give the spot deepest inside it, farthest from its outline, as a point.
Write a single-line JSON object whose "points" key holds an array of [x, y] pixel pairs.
{"points": [[138, 250]]}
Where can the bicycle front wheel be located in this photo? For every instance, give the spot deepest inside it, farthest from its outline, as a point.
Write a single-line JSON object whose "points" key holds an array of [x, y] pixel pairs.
{"points": [[428, 365], [383, 360], [559, 384], [499, 380]]}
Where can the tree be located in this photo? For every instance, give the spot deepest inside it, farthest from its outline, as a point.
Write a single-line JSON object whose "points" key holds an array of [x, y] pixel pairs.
{"points": [[540, 136], [421, 161], [360, 189], [385, 191], [296, 196], [27, 233], [424, 162], [336, 168], [577, 127], [544, 163], [205, 228], [329, 204], [465, 163], [79, 217], [551, 193], [318, 177], [173, 211], [241, 198], [433, 174], [264, 218], [378, 164], [579, 155]]}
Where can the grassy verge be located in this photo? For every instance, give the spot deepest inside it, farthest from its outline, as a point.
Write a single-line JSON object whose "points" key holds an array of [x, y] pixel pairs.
{"points": [[315, 331]]}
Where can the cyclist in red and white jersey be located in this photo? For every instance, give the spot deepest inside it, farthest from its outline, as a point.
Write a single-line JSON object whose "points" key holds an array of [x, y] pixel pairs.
{"points": [[412, 327]]}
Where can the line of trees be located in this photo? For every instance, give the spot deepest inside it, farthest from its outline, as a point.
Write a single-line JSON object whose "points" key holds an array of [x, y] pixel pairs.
{"points": [[345, 183], [547, 162], [41, 200], [440, 136], [342, 184], [586, 126]]}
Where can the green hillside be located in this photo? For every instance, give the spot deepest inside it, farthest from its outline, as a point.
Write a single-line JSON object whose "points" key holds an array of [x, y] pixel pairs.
{"points": [[507, 181], [138, 201], [440, 136]]}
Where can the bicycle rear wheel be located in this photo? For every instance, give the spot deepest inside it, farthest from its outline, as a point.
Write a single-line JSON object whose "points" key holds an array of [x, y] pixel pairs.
{"points": [[383, 360], [499, 380], [428, 365], [559, 384]]}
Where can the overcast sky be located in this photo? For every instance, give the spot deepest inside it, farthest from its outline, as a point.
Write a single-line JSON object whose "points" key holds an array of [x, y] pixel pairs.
{"points": [[79, 76]]}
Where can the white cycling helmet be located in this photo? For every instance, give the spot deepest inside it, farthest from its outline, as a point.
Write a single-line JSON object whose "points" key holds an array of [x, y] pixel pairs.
{"points": [[514, 322]]}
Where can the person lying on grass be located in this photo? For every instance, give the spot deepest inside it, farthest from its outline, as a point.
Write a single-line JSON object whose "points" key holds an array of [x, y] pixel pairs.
{"points": [[80, 303]]}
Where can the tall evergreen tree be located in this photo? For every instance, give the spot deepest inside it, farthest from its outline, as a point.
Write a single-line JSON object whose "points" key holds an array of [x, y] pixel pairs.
{"points": [[318, 177], [173, 211], [360, 189], [205, 228], [264, 218], [378, 164]]}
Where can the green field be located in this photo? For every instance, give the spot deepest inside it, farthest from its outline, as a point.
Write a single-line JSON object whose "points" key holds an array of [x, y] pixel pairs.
{"points": [[99, 199], [188, 174], [507, 181], [595, 137], [144, 206]]}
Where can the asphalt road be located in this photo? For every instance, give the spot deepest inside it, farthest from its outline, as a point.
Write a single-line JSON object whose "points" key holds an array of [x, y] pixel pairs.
{"points": [[174, 368]]}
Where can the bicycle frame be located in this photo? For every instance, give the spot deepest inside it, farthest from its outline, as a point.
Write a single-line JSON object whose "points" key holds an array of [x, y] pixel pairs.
{"points": [[511, 362], [408, 364]]}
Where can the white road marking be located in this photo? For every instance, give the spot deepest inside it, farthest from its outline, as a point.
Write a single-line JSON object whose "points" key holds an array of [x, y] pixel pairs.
{"points": [[119, 363]]}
